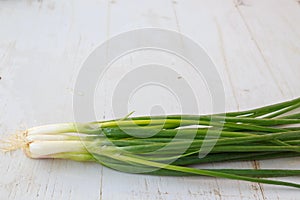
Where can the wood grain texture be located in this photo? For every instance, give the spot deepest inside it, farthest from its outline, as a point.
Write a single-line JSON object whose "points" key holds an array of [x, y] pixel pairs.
{"points": [[254, 44]]}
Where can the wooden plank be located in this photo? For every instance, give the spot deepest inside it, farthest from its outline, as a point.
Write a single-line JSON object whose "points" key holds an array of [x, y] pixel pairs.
{"points": [[147, 14], [274, 28], [42, 45], [220, 30]]}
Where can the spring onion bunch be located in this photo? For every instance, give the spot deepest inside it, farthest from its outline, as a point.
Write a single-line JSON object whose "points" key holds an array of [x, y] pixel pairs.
{"points": [[173, 144]]}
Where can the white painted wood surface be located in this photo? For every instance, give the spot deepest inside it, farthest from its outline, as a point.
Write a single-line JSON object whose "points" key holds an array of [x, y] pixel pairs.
{"points": [[255, 45]]}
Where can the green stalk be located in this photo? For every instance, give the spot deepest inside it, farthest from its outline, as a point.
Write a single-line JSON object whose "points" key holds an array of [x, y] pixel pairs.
{"points": [[200, 171], [165, 145]]}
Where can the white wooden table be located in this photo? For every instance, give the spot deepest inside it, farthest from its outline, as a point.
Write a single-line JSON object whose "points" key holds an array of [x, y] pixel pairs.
{"points": [[254, 44]]}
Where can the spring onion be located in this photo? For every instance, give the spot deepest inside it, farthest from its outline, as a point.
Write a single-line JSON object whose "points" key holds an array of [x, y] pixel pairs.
{"points": [[171, 145]]}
